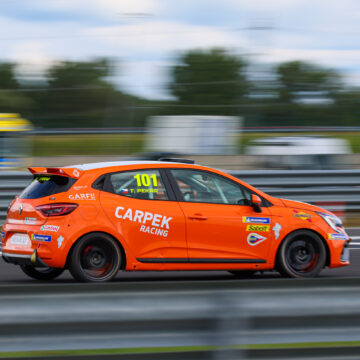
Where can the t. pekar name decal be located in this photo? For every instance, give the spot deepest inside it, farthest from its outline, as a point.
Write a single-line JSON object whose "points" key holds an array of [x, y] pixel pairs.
{"points": [[154, 224]]}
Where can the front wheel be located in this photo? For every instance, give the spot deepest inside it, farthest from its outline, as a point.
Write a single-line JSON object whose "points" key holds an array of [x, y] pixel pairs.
{"points": [[301, 255], [41, 273], [95, 258]]}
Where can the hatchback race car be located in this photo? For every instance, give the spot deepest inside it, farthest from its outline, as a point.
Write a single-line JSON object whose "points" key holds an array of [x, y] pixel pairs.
{"points": [[97, 219]]}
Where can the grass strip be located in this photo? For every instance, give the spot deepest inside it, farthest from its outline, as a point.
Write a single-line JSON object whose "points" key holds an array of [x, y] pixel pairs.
{"points": [[175, 349]]}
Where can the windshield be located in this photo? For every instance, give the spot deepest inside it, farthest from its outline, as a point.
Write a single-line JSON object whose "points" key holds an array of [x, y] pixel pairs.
{"points": [[45, 185]]}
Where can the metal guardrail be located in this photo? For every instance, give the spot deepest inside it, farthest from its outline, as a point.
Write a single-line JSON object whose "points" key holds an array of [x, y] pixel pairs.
{"points": [[335, 190], [179, 324]]}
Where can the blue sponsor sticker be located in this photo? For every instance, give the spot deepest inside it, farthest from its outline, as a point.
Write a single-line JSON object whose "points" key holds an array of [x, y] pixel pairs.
{"points": [[254, 239], [256, 220], [337, 237], [40, 237]]}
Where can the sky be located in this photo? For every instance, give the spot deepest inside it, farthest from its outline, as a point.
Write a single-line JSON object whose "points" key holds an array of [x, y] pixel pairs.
{"points": [[146, 37]]}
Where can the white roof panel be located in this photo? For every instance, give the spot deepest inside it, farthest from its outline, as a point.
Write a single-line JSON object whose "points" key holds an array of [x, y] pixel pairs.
{"points": [[92, 166]]}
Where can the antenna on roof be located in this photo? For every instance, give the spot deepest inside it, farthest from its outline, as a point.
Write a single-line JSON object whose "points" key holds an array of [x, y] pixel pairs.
{"points": [[177, 160]]}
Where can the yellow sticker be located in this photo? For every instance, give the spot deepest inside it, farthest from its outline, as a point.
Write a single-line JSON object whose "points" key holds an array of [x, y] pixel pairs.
{"points": [[145, 190], [146, 180], [302, 215], [258, 228]]}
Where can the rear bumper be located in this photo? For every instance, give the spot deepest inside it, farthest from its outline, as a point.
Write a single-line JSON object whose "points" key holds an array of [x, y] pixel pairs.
{"points": [[23, 259]]}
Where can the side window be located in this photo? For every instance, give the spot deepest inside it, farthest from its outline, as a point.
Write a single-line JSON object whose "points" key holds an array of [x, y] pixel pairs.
{"points": [[139, 184], [201, 186]]}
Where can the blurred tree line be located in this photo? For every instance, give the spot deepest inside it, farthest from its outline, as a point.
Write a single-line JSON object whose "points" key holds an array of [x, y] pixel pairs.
{"points": [[212, 82]]}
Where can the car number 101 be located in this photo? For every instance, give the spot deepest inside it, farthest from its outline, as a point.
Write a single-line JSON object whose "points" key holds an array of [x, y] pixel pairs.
{"points": [[145, 180]]}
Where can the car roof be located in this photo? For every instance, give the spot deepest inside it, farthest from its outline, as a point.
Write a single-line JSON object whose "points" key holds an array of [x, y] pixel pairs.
{"points": [[100, 165]]}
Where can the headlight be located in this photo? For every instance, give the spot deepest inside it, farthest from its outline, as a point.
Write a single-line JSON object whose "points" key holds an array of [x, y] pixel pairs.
{"points": [[333, 221]]}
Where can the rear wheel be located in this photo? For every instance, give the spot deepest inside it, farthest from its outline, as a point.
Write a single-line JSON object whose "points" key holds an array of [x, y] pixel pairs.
{"points": [[41, 273], [301, 255], [95, 258]]}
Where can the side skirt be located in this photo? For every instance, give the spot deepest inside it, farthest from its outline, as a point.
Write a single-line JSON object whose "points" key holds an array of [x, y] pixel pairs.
{"points": [[199, 261]]}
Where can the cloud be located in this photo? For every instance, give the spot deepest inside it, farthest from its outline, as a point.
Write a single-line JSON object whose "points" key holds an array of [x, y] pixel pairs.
{"points": [[335, 58], [37, 61], [265, 5], [43, 31], [164, 36], [107, 8], [148, 78]]}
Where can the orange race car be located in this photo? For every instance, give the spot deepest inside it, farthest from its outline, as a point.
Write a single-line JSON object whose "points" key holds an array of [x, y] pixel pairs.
{"points": [[95, 219]]}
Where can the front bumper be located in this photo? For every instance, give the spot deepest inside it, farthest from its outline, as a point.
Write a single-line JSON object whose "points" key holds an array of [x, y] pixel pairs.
{"points": [[345, 255]]}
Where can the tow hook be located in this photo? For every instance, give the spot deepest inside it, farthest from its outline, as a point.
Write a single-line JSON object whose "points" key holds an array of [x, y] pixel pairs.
{"points": [[33, 257]]}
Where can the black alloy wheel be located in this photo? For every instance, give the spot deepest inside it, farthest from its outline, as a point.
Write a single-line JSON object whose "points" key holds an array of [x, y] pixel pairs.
{"points": [[41, 273], [95, 258], [301, 255]]}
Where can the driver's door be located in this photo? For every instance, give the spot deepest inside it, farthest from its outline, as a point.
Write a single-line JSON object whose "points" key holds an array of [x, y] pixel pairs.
{"points": [[220, 223]]}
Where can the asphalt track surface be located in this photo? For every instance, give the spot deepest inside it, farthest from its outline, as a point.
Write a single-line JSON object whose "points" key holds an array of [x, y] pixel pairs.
{"points": [[11, 274]]}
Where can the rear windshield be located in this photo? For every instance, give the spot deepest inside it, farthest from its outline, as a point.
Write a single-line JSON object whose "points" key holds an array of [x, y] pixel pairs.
{"points": [[45, 185]]}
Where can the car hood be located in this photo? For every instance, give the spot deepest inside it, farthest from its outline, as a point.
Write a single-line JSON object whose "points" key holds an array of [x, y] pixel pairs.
{"points": [[303, 206]]}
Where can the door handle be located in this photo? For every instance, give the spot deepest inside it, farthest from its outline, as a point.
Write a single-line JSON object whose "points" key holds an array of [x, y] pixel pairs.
{"points": [[197, 217]]}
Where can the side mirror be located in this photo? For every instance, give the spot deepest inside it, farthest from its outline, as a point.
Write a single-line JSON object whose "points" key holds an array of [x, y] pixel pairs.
{"points": [[256, 202]]}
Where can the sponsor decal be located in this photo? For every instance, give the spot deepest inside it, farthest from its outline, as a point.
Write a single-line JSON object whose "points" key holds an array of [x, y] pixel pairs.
{"points": [[154, 224], [30, 220], [43, 178], [302, 215], [40, 237], [124, 191], [256, 220], [86, 196], [60, 240], [255, 239], [76, 173], [50, 228], [79, 187], [144, 190], [276, 230], [337, 237], [258, 228]]}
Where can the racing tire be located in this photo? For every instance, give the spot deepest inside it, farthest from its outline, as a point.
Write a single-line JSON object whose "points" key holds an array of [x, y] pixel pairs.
{"points": [[41, 273], [96, 257], [301, 255], [242, 273]]}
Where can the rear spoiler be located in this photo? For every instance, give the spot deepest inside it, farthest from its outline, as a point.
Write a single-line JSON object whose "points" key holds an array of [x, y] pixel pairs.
{"points": [[68, 172]]}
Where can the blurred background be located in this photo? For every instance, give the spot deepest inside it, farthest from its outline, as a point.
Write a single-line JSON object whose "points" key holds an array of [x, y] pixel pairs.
{"points": [[268, 90], [244, 85]]}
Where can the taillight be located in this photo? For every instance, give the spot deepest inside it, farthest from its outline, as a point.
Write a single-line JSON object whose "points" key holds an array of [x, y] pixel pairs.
{"points": [[56, 209]]}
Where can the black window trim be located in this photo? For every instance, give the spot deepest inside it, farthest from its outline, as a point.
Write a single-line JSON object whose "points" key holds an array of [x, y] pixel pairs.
{"points": [[109, 188], [180, 198]]}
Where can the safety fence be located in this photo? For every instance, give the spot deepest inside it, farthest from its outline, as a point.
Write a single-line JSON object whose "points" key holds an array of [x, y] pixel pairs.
{"points": [[284, 321], [335, 190]]}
